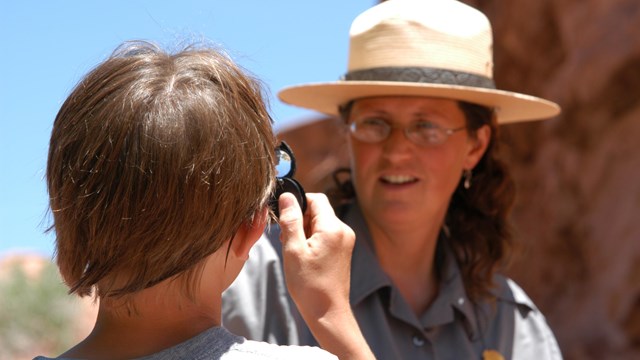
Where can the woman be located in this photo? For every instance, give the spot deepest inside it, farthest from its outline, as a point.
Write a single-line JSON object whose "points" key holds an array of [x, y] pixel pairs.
{"points": [[428, 197]]}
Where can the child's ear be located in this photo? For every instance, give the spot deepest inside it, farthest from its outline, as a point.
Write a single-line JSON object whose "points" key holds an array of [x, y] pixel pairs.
{"points": [[248, 234]]}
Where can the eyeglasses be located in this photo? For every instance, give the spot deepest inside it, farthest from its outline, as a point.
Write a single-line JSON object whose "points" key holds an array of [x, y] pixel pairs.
{"points": [[422, 133], [285, 169]]}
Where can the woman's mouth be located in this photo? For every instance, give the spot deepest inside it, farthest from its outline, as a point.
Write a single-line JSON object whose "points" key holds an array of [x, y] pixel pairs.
{"points": [[398, 179]]}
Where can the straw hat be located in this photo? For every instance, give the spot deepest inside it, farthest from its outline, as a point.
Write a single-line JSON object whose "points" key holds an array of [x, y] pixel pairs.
{"points": [[435, 48]]}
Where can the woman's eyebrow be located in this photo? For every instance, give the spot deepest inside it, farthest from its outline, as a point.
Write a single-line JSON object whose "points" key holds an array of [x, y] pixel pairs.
{"points": [[377, 112]]}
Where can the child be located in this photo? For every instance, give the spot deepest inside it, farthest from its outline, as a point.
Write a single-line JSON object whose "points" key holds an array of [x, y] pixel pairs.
{"points": [[159, 173]]}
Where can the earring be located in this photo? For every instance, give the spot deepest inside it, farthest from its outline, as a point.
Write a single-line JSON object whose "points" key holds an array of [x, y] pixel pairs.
{"points": [[467, 178]]}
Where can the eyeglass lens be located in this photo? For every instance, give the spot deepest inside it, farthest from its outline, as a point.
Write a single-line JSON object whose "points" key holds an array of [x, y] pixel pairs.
{"points": [[425, 134]]}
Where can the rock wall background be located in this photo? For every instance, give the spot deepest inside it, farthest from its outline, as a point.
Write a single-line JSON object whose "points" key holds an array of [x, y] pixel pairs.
{"points": [[578, 176]]}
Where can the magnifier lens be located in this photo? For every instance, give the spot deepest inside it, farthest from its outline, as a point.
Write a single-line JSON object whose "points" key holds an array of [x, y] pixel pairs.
{"points": [[285, 169], [284, 164]]}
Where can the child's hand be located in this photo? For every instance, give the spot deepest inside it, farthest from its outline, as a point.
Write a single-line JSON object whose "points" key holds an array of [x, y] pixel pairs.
{"points": [[317, 255]]}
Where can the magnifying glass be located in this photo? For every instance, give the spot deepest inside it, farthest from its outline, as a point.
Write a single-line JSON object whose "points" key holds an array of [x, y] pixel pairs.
{"points": [[285, 170]]}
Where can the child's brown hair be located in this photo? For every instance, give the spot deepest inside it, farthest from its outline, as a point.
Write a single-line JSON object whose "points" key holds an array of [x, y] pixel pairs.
{"points": [[155, 161]]}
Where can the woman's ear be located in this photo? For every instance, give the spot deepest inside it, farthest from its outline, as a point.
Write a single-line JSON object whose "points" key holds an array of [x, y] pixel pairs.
{"points": [[248, 234], [478, 146]]}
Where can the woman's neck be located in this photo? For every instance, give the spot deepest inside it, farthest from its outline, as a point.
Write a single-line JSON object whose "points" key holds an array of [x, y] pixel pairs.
{"points": [[407, 254]]}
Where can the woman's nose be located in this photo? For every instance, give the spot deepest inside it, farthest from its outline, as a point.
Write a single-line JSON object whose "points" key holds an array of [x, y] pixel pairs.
{"points": [[397, 146]]}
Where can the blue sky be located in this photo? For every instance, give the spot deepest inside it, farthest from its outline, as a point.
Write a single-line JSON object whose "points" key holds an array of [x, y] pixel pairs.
{"points": [[47, 46]]}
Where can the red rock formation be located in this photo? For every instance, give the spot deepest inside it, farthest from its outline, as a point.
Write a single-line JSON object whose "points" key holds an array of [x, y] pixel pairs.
{"points": [[578, 175]]}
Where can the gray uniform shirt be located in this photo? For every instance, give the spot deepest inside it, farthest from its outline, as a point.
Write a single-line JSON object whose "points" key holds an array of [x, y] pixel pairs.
{"points": [[452, 327]]}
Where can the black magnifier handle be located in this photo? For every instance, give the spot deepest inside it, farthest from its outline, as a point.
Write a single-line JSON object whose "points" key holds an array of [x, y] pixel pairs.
{"points": [[292, 186]]}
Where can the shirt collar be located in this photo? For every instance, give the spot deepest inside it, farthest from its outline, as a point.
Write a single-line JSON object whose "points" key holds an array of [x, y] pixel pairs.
{"points": [[452, 300], [368, 277]]}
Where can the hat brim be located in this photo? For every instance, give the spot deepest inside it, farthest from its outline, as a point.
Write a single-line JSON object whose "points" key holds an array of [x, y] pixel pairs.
{"points": [[327, 97]]}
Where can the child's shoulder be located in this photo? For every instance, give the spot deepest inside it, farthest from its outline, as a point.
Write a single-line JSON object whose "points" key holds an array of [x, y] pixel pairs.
{"points": [[261, 350]]}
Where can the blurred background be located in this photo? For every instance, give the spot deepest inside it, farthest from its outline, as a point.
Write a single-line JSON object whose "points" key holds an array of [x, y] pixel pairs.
{"points": [[578, 175]]}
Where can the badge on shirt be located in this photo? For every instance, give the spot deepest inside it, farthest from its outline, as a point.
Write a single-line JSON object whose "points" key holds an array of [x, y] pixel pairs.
{"points": [[491, 355]]}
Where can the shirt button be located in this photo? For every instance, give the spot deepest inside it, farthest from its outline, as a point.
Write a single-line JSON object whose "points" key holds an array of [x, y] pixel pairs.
{"points": [[418, 341], [461, 301]]}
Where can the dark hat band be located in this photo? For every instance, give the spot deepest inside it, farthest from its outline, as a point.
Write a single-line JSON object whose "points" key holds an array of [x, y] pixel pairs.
{"points": [[421, 75]]}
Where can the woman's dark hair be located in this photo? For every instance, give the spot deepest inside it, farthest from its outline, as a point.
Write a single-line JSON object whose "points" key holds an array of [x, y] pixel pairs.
{"points": [[477, 219]]}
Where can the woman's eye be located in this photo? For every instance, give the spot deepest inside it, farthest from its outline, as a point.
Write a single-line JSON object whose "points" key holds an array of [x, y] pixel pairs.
{"points": [[373, 122]]}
